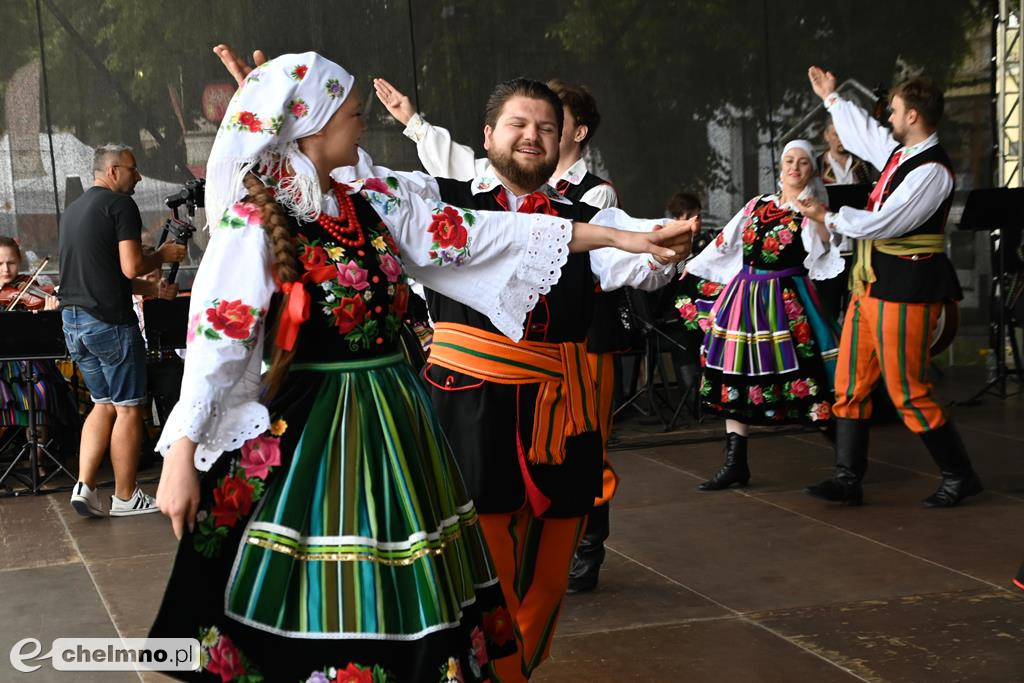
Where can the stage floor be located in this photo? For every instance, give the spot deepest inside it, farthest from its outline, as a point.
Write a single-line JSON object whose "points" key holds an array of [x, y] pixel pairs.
{"points": [[763, 584]]}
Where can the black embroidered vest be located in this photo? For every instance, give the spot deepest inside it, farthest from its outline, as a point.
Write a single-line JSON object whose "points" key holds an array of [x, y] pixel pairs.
{"points": [[926, 277], [564, 314]]}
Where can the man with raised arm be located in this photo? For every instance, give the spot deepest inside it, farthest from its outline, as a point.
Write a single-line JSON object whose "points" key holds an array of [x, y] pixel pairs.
{"points": [[443, 157], [900, 281]]}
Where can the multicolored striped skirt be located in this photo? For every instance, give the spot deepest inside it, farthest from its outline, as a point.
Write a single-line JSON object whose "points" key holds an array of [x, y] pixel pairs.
{"points": [[340, 542], [770, 355], [54, 402]]}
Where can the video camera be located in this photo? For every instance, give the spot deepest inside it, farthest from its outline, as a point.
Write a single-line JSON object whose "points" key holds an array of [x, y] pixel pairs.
{"points": [[192, 195]]}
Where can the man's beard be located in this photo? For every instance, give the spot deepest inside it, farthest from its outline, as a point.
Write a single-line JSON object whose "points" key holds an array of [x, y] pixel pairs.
{"points": [[899, 136], [516, 174]]}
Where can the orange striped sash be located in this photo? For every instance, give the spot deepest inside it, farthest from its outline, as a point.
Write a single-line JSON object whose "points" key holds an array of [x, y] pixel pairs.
{"points": [[566, 403]]}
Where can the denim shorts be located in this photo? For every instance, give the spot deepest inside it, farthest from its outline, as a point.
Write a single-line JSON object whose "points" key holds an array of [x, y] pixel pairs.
{"points": [[112, 358]]}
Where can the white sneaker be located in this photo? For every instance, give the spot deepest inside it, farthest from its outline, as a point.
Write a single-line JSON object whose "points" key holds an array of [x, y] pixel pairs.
{"points": [[139, 504], [85, 501]]}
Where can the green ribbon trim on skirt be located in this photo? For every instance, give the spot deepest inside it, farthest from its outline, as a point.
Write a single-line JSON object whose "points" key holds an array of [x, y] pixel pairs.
{"points": [[343, 365]]}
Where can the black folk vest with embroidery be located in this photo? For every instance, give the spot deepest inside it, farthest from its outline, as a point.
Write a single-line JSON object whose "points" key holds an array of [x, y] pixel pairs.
{"points": [[563, 315], [926, 277]]}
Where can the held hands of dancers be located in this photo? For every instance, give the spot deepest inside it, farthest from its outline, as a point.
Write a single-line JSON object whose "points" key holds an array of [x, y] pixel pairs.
{"points": [[669, 243], [811, 208]]}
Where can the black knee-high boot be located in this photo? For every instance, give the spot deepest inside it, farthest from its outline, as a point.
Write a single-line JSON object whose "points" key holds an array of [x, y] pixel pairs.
{"points": [[958, 478], [586, 563], [735, 469], [851, 464]]}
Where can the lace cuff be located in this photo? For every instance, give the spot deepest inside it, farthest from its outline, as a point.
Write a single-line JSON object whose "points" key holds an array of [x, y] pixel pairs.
{"points": [[827, 266], [824, 261], [716, 267], [540, 268], [213, 427]]}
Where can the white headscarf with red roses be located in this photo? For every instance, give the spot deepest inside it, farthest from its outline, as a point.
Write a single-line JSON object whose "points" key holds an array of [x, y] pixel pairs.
{"points": [[279, 102]]}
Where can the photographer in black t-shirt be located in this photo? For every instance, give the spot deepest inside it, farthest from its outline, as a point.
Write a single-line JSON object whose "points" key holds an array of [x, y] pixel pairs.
{"points": [[101, 261]]}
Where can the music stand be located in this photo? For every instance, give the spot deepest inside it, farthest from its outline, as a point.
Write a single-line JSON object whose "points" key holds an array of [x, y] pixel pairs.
{"points": [[30, 337], [639, 312], [166, 323], [997, 210]]}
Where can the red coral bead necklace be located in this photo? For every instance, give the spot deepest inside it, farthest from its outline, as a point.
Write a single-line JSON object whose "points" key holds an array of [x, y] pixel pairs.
{"points": [[345, 226]]}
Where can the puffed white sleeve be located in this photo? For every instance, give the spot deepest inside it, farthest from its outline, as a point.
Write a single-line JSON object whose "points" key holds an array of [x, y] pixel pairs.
{"points": [[218, 407], [439, 154], [723, 258], [496, 262], [602, 196], [860, 133], [823, 260], [615, 268]]}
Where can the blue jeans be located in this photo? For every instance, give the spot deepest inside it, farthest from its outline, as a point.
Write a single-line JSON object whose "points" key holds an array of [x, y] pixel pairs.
{"points": [[112, 358]]}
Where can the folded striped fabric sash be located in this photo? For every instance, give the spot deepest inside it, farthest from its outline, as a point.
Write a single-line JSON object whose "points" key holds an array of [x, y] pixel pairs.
{"points": [[567, 401], [863, 274]]}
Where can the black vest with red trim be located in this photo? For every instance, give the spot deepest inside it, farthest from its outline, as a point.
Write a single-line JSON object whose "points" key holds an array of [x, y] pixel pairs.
{"points": [[563, 314], [481, 419], [920, 278]]}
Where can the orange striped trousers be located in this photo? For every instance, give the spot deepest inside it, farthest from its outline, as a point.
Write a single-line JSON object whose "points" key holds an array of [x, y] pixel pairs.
{"points": [[889, 341], [602, 369], [532, 557]]}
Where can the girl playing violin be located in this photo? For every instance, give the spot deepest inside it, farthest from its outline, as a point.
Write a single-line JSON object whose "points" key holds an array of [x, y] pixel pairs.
{"points": [[53, 401], [11, 281]]}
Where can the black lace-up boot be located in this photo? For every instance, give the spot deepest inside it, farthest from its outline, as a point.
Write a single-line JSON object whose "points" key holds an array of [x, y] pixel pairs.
{"points": [[734, 469]]}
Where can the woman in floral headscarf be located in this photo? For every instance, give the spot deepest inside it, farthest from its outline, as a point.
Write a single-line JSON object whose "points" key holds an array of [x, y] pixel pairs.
{"points": [[769, 355], [331, 536]]}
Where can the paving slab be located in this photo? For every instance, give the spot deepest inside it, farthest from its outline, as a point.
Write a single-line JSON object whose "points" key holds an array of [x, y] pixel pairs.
{"points": [[713, 651], [975, 636], [52, 602], [750, 555], [32, 534]]}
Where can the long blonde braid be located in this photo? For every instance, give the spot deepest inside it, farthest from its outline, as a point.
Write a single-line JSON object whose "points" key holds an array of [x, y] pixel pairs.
{"points": [[285, 267]]}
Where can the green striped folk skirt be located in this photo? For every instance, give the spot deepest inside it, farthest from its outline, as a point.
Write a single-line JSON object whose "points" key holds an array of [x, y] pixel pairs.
{"points": [[340, 542]]}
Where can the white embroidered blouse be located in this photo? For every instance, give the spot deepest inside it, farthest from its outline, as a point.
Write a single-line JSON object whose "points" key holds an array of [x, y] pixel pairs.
{"points": [[723, 258], [505, 262]]}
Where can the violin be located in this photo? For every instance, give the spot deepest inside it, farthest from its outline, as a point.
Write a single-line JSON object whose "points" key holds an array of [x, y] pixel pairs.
{"points": [[23, 294]]}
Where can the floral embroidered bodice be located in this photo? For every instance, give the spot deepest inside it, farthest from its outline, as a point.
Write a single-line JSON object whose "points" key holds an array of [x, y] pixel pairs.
{"points": [[771, 236], [358, 294]]}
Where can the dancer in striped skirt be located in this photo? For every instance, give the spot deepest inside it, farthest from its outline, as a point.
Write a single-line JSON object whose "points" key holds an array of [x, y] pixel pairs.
{"points": [[331, 537], [769, 355]]}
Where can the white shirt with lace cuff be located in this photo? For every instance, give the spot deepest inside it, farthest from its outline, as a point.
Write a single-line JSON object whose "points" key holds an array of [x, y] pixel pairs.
{"points": [[510, 259]]}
